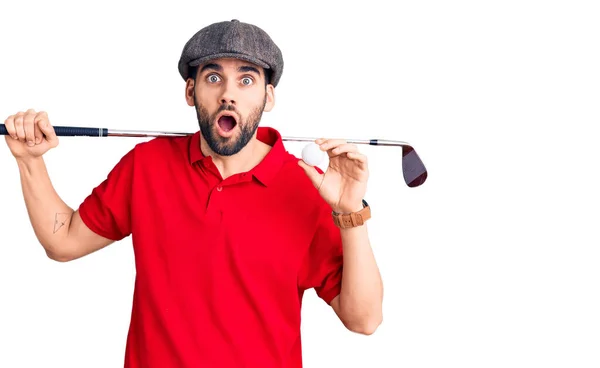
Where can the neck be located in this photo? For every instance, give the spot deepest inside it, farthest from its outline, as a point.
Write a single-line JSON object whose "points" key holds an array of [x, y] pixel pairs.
{"points": [[243, 161]]}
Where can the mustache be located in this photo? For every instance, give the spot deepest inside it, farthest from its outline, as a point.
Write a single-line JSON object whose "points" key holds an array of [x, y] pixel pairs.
{"points": [[227, 107], [222, 107]]}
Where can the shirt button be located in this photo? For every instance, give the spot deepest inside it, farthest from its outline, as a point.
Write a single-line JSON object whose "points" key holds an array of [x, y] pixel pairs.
{"points": [[219, 188]]}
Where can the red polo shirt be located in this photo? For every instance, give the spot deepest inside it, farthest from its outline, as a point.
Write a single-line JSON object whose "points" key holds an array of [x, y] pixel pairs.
{"points": [[221, 265]]}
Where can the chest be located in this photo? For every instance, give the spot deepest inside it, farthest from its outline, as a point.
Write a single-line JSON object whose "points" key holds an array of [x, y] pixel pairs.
{"points": [[196, 230]]}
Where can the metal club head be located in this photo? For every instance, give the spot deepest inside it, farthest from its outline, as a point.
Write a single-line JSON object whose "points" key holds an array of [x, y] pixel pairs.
{"points": [[413, 169]]}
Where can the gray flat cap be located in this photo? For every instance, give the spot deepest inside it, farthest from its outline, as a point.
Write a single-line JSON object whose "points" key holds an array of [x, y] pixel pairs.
{"points": [[233, 39]]}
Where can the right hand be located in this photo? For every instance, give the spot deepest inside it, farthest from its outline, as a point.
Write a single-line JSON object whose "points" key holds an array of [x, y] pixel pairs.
{"points": [[30, 134]]}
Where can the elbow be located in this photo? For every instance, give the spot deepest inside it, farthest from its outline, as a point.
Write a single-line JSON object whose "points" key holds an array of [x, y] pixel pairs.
{"points": [[61, 255], [366, 325], [361, 318]]}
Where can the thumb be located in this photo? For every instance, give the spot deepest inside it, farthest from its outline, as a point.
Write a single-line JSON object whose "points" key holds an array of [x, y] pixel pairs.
{"points": [[49, 132], [311, 172]]}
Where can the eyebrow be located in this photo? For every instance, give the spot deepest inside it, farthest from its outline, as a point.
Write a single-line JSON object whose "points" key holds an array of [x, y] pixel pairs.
{"points": [[212, 66], [219, 68], [247, 68]]}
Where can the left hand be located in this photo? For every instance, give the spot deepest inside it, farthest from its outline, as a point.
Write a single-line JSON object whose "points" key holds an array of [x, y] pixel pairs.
{"points": [[344, 184]]}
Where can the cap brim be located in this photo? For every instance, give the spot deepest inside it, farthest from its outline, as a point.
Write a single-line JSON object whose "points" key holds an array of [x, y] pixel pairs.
{"points": [[244, 57]]}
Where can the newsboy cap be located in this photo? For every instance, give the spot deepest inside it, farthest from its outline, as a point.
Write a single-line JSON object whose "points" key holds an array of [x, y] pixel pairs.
{"points": [[232, 39]]}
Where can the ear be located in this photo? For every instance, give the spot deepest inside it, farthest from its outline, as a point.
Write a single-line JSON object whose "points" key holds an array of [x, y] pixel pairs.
{"points": [[189, 91], [270, 97]]}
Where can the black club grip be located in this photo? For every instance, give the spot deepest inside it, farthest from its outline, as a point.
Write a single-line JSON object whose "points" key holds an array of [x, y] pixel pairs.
{"points": [[63, 131]]}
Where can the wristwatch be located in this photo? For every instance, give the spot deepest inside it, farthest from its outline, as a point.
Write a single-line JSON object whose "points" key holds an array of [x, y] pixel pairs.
{"points": [[353, 219]]}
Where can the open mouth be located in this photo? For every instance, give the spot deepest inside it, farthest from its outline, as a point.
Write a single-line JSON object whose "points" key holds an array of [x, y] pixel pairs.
{"points": [[227, 122]]}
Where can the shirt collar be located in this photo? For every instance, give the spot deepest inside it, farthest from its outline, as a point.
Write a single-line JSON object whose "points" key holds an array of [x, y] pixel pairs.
{"points": [[266, 170]]}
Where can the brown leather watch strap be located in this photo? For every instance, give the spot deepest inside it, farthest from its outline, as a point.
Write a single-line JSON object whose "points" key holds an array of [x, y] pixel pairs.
{"points": [[348, 220]]}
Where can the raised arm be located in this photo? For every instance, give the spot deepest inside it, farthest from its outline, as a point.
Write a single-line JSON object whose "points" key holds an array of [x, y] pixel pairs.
{"points": [[58, 227]]}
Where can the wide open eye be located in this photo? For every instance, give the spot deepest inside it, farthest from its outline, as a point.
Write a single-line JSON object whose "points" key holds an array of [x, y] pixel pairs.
{"points": [[247, 81], [213, 78]]}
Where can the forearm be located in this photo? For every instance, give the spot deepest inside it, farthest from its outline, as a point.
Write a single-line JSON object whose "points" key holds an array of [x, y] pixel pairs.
{"points": [[48, 213], [361, 294]]}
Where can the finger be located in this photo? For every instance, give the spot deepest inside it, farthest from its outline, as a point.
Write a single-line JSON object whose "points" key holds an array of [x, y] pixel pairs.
{"points": [[9, 123], [357, 156], [40, 119], [314, 176], [331, 143], [37, 134], [344, 148], [19, 127], [28, 121]]}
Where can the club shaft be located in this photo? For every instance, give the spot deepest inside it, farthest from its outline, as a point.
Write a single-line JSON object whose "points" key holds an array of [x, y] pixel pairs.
{"points": [[414, 171], [68, 131], [143, 133], [372, 142]]}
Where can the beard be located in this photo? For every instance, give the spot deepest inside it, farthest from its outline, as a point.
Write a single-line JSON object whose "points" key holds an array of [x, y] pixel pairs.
{"points": [[232, 145]]}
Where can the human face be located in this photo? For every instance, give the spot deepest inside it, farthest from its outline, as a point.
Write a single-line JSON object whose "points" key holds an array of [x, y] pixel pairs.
{"points": [[229, 96]]}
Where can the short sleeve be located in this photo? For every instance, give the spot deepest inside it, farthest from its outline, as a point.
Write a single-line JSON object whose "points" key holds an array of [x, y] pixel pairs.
{"points": [[322, 265], [107, 210]]}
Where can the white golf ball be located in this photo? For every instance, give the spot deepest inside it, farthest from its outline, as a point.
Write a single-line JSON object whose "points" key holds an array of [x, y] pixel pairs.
{"points": [[312, 154]]}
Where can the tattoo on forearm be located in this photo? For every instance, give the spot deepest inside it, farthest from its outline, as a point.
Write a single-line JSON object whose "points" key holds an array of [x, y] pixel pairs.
{"points": [[60, 219]]}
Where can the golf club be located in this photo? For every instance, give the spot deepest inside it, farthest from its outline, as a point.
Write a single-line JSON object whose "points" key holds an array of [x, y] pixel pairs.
{"points": [[413, 169]]}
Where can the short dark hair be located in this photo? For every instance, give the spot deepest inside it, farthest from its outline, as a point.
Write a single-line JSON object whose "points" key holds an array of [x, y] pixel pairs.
{"points": [[268, 72]]}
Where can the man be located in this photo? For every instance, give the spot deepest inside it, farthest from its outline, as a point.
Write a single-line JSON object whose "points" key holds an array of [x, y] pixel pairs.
{"points": [[228, 228]]}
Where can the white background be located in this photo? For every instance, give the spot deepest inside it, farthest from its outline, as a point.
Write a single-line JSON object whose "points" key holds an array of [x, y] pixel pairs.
{"points": [[494, 262]]}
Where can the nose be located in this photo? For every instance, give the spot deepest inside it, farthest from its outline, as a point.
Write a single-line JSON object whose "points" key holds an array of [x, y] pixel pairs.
{"points": [[227, 101], [228, 94]]}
